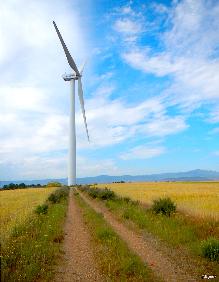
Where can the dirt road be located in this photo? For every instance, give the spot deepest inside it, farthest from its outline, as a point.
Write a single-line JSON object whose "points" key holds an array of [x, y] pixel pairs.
{"points": [[77, 262]]}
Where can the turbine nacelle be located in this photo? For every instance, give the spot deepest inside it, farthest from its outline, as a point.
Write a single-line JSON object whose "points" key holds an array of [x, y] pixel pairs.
{"points": [[69, 77]]}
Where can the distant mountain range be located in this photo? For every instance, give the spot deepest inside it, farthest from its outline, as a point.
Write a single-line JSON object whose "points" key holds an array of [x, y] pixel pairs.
{"points": [[193, 175]]}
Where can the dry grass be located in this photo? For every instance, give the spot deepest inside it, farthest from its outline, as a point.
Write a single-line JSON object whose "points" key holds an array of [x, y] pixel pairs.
{"points": [[16, 206], [194, 198]]}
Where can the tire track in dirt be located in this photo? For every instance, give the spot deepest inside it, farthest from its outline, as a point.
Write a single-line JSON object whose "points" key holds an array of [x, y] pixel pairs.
{"points": [[145, 247], [77, 262]]}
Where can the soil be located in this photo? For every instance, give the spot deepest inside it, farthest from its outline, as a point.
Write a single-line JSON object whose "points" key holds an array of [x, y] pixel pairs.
{"points": [[77, 262]]}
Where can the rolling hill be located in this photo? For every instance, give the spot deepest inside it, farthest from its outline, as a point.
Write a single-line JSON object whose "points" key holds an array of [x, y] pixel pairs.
{"points": [[193, 175]]}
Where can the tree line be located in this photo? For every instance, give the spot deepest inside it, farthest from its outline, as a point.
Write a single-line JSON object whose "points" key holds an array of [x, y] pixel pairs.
{"points": [[13, 186]]}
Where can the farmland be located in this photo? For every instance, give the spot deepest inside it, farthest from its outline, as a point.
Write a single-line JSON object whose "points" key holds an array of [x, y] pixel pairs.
{"points": [[17, 205], [193, 198], [31, 230], [31, 238]]}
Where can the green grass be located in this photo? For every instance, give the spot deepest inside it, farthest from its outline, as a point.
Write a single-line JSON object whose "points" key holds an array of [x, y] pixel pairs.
{"points": [[210, 249], [159, 225], [176, 229], [116, 261], [32, 248]]}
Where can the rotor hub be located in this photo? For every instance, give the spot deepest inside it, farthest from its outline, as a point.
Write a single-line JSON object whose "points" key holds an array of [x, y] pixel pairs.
{"points": [[69, 77]]}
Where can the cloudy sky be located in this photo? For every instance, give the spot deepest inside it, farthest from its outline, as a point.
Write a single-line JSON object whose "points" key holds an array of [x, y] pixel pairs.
{"points": [[151, 86]]}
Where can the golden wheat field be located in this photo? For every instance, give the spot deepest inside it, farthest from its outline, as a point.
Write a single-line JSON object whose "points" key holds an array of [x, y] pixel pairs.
{"points": [[193, 198], [16, 206]]}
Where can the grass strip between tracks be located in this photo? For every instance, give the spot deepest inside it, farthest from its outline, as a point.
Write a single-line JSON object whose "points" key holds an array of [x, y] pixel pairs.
{"points": [[33, 246], [113, 256]]}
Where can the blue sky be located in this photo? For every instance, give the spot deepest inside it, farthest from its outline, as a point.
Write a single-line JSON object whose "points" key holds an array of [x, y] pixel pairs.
{"points": [[151, 86]]}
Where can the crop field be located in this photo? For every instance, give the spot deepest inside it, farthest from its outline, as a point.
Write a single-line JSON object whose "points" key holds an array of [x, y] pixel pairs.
{"points": [[35, 233], [193, 198], [16, 206]]}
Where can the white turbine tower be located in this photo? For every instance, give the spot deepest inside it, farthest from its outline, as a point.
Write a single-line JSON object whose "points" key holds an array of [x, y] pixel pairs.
{"points": [[76, 75]]}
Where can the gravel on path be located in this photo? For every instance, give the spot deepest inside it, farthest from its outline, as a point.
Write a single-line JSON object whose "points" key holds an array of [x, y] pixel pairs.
{"points": [[77, 262]]}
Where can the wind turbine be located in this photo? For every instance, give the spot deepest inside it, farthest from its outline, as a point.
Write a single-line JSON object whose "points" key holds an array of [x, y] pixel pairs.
{"points": [[76, 75]]}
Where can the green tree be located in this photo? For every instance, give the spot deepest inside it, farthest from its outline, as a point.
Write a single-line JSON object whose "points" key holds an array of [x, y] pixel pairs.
{"points": [[54, 184]]}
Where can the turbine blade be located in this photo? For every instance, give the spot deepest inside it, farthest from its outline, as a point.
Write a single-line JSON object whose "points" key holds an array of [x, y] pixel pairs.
{"points": [[67, 54], [82, 67], [81, 99]]}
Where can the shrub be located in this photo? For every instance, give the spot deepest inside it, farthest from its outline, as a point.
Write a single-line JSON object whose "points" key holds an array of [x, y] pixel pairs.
{"points": [[106, 194], [210, 249], [164, 206], [54, 184], [62, 193], [59, 194], [42, 209], [126, 199], [53, 198], [103, 194], [93, 193], [84, 188]]}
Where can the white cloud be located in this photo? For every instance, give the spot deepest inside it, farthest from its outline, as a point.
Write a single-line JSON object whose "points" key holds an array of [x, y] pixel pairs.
{"points": [[194, 30], [165, 126], [127, 26], [189, 56], [214, 115], [52, 166], [43, 167], [126, 10], [23, 98], [30, 52], [96, 167], [104, 91], [114, 121], [33, 136], [194, 80], [129, 23], [160, 8], [142, 152], [160, 65]]}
